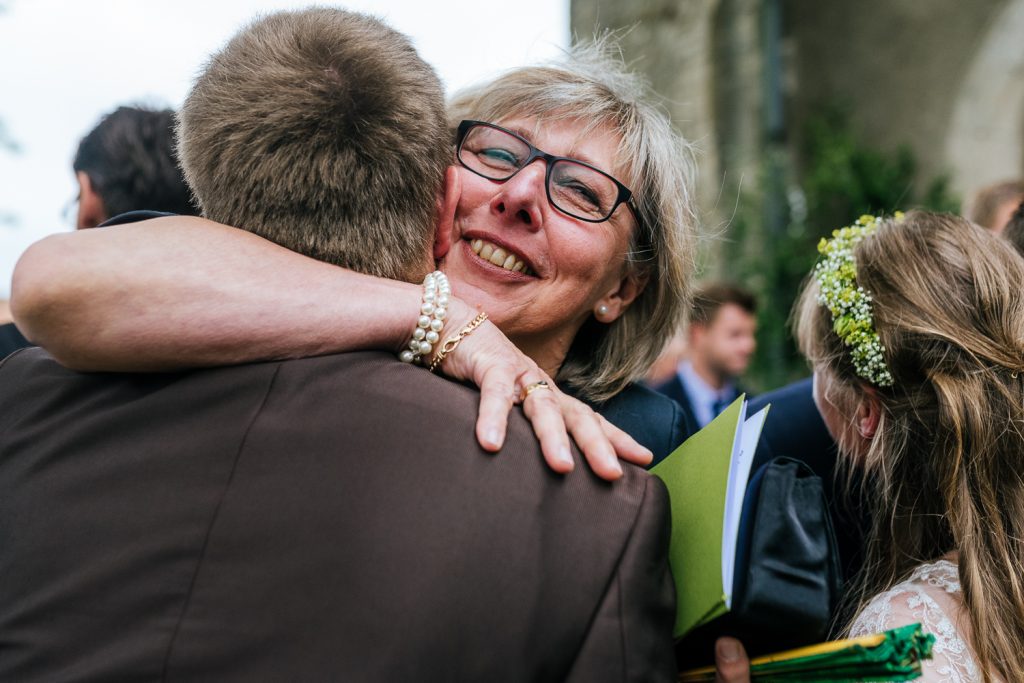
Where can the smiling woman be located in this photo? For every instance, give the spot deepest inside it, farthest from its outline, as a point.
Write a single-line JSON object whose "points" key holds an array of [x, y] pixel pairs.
{"points": [[579, 253], [552, 218], [608, 214]]}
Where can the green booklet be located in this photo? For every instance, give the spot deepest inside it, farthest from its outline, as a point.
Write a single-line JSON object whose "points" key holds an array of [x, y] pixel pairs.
{"points": [[707, 479], [894, 655]]}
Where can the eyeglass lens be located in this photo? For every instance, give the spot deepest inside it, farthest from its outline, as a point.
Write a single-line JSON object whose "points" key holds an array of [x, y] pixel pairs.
{"points": [[573, 188]]}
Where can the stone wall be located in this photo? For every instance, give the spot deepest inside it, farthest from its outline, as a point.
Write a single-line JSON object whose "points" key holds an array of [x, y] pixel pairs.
{"points": [[669, 43], [944, 77]]}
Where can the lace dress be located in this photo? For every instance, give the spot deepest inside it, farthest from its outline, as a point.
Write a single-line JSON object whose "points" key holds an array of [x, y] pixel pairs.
{"points": [[930, 596]]}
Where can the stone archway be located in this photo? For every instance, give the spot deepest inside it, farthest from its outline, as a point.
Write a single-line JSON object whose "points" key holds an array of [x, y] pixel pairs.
{"points": [[985, 143]]}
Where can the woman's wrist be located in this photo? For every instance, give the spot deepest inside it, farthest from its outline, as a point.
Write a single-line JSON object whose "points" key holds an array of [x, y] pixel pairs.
{"points": [[431, 320]]}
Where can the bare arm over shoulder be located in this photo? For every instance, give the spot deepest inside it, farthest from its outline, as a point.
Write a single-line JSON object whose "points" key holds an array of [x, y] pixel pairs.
{"points": [[185, 292], [181, 292]]}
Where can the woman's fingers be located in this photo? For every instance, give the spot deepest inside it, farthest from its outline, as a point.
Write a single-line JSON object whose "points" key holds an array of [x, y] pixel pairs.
{"points": [[585, 427], [497, 396], [543, 410], [506, 376], [626, 447], [489, 360]]}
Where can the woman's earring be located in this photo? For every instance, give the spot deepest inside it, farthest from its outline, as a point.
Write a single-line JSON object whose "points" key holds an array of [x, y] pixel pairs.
{"points": [[602, 313]]}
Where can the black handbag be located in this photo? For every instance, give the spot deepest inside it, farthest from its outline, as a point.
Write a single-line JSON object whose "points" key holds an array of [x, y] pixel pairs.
{"points": [[788, 581]]}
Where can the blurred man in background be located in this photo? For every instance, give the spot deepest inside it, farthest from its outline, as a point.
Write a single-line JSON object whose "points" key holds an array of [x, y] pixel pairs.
{"points": [[720, 344], [126, 163], [992, 206]]}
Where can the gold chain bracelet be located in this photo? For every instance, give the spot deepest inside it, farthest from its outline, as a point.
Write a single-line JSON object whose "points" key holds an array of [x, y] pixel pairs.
{"points": [[451, 342]]}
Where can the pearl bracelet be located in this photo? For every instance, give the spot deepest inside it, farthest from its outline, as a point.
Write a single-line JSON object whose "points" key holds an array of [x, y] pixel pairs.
{"points": [[433, 311]]}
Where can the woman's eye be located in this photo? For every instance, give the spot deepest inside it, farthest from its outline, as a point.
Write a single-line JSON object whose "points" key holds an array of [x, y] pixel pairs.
{"points": [[581, 193], [497, 156]]}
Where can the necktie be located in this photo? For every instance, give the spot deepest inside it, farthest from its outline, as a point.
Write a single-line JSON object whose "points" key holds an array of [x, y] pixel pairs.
{"points": [[719, 405]]}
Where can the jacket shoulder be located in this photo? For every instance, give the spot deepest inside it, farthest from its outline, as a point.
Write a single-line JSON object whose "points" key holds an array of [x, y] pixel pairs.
{"points": [[658, 422]]}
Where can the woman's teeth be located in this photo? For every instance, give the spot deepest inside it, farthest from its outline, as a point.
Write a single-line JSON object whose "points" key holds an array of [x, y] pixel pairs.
{"points": [[498, 256]]}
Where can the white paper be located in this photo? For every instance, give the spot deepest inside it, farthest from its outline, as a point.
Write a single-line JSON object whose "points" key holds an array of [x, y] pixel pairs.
{"points": [[748, 431]]}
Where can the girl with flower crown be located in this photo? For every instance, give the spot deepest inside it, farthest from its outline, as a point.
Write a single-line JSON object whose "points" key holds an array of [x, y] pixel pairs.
{"points": [[915, 328]]}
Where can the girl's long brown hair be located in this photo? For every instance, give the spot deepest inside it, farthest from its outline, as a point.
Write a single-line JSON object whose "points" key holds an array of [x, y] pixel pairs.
{"points": [[946, 464]]}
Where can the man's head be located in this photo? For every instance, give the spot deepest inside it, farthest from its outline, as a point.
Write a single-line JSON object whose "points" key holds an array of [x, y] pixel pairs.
{"points": [[992, 206], [722, 326], [127, 163], [323, 131]]}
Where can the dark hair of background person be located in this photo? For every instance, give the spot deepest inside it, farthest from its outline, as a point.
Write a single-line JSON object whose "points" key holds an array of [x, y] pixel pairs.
{"points": [[130, 160], [709, 298], [323, 131], [985, 203], [1014, 230]]}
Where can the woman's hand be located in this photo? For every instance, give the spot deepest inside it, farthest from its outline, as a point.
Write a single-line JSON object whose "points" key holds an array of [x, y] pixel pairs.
{"points": [[502, 372], [731, 662]]}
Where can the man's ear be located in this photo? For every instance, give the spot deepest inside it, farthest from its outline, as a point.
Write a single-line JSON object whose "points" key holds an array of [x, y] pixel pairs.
{"points": [[869, 413], [91, 211], [609, 307], [446, 204]]}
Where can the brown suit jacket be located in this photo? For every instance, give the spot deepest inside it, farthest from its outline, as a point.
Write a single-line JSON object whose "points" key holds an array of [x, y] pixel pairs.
{"points": [[320, 519]]}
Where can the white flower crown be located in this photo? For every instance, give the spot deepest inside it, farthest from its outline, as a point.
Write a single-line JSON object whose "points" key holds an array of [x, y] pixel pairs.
{"points": [[849, 303]]}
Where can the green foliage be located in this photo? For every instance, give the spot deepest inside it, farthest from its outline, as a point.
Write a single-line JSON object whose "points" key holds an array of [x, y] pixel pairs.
{"points": [[771, 242]]}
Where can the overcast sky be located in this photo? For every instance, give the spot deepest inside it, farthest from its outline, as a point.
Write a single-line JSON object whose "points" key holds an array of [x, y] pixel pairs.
{"points": [[65, 63]]}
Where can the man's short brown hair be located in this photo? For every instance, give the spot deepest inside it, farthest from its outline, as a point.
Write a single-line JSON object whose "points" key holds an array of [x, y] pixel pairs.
{"points": [[325, 132], [709, 298]]}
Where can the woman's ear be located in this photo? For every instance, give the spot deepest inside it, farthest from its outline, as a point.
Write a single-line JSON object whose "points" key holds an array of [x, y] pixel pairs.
{"points": [[610, 307], [446, 204], [869, 412]]}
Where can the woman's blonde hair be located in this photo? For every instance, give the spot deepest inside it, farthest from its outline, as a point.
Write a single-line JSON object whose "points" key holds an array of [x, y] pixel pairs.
{"points": [[946, 464], [592, 86]]}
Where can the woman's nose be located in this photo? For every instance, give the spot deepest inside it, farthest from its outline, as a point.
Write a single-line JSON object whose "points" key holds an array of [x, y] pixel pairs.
{"points": [[522, 196]]}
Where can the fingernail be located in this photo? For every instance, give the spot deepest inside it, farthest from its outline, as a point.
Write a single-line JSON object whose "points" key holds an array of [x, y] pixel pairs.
{"points": [[493, 437], [565, 456], [728, 650]]}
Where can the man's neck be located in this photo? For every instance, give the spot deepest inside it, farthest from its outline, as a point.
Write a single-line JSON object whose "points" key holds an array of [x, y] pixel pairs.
{"points": [[710, 377]]}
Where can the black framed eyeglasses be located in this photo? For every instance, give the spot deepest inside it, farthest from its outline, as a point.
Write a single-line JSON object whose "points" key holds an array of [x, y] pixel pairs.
{"points": [[574, 187]]}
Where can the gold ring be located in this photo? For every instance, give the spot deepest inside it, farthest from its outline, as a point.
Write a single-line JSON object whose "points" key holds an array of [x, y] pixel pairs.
{"points": [[530, 388]]}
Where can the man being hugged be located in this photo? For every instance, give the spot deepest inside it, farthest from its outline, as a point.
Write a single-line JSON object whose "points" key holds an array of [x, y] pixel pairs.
{"points": [[328, 518]]}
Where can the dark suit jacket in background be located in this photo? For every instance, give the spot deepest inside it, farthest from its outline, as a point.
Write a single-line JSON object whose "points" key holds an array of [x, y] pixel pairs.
{"points": [[794, 428], [320, 519], [11, 339], [673, 389], [654, 420]]}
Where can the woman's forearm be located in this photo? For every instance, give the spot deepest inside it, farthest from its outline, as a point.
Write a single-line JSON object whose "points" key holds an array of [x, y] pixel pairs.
{"points": [[184, 292]]}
